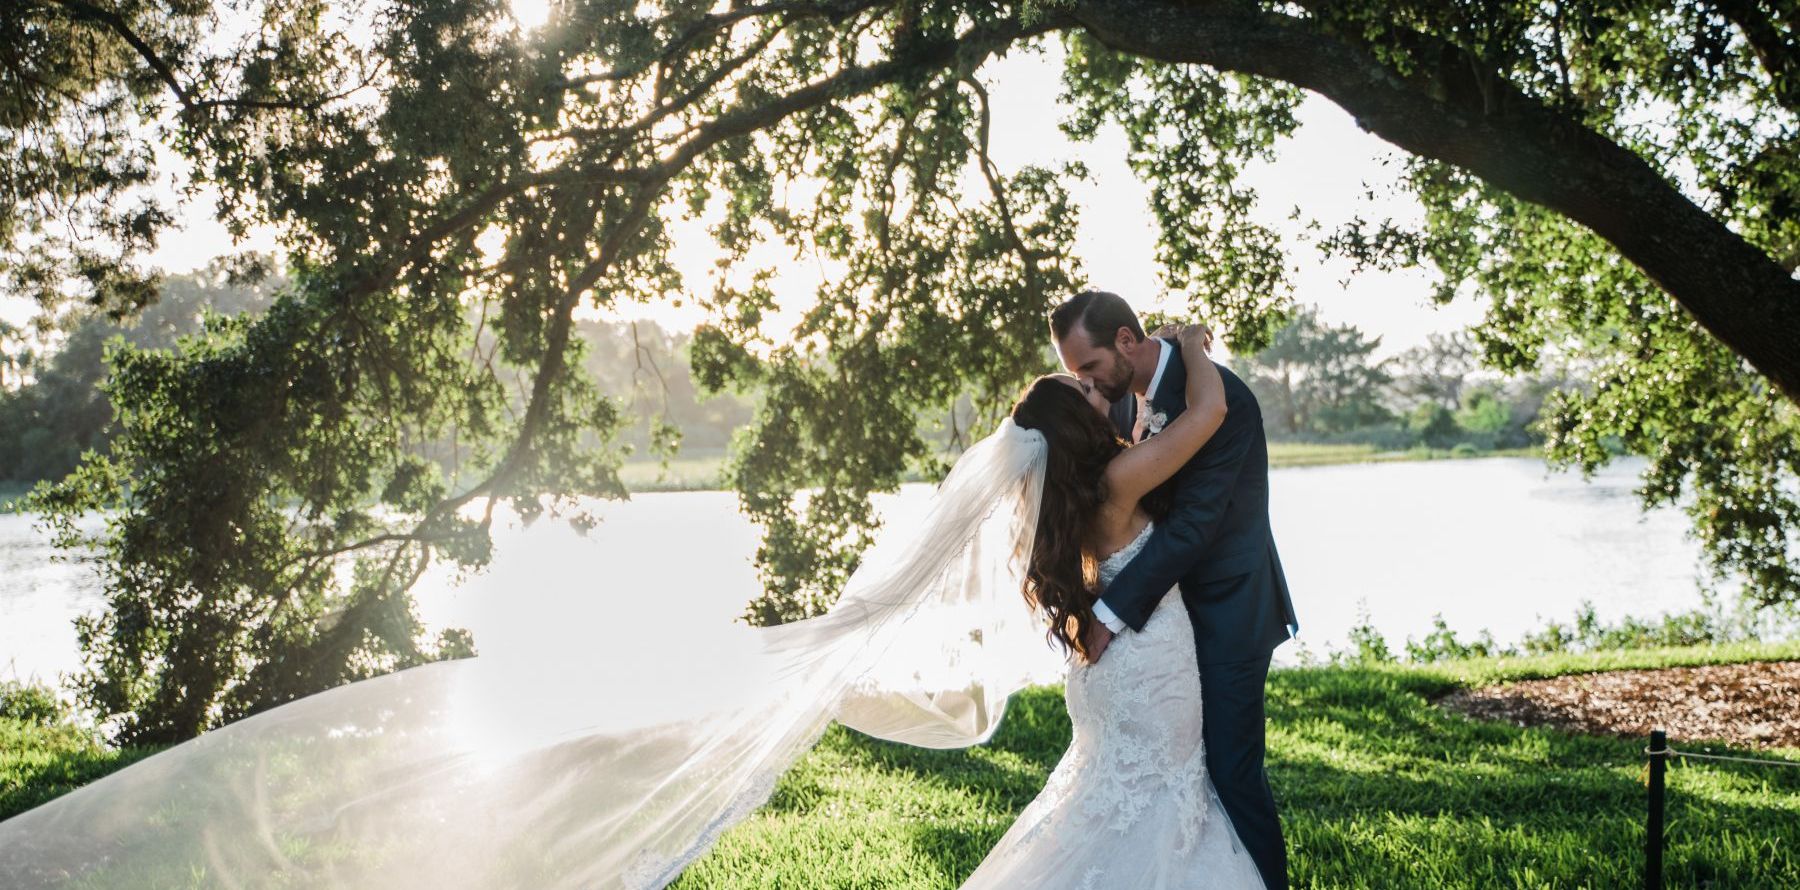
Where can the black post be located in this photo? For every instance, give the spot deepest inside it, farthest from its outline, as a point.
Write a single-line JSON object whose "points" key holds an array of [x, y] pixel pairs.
{"points": [[1653, 841]]}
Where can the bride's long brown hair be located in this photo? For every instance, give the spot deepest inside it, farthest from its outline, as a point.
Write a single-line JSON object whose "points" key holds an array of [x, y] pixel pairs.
{"points": [[1060, 578]]}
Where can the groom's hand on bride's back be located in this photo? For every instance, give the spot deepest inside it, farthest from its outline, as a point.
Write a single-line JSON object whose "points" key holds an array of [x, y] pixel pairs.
{"points": [[1095, 639]]}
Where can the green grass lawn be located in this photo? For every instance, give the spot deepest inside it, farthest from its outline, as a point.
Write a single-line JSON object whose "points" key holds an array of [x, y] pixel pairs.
{"points": [[1378, 789], [39, 762], [705, 471]]}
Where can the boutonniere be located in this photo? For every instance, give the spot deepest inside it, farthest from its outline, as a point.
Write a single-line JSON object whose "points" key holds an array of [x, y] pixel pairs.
{"points": [[1154, 423]]}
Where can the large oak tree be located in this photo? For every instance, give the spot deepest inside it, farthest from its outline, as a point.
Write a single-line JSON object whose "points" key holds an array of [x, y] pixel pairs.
{"points": [[1618, 180]]}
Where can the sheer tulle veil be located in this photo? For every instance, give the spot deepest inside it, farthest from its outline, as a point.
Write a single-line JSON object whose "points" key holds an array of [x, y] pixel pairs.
{"points": [[612, 767]]}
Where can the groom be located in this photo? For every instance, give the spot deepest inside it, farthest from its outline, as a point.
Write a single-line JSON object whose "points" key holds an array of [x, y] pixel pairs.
{"points": [[1215, 542]]}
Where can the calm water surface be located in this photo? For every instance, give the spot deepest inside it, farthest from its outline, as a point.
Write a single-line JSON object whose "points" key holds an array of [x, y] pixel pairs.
{"points": [[1498, 543]]}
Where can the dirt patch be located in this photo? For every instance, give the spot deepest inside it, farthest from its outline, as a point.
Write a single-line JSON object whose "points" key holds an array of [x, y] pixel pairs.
{"points": [[1747, 705]]}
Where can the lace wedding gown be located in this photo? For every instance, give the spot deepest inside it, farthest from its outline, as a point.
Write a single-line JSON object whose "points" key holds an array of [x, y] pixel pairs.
{"points": [[1130, 803]]}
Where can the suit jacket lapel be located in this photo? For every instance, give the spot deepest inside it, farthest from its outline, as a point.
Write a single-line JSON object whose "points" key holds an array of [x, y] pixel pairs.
{"points": [[1171, 391]]}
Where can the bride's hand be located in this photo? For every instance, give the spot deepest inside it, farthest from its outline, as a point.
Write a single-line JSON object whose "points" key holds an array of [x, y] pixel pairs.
{"points": [[1183, 332], [1196, 341]]}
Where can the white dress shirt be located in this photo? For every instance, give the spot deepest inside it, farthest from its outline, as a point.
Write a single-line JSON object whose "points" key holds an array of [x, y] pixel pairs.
{"points": [[1106, 615]]}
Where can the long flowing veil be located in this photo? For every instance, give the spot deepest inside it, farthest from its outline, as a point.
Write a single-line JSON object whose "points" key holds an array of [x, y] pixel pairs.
{"points": [[613, 767]]}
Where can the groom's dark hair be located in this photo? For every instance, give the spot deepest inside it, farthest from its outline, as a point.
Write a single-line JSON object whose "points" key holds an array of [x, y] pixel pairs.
{"points": [[1097, 312]]}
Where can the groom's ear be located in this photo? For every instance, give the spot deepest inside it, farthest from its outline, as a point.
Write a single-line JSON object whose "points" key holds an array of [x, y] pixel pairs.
{"points": [[1125, 341]]}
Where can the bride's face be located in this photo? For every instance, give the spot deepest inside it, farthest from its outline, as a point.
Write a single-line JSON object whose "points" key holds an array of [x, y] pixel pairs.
{"points": [[1089, 392]]}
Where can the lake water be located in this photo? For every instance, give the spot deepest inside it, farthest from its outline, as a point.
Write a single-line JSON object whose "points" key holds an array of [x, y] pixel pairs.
{"points": [[1499, 543]]}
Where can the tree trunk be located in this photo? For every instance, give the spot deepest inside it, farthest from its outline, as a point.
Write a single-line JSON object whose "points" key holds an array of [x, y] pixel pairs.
{"points": [[1735, 290]]}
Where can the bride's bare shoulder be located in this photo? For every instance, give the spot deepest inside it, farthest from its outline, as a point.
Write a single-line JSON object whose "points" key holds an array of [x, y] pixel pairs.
{"points": [[1117, 526]]}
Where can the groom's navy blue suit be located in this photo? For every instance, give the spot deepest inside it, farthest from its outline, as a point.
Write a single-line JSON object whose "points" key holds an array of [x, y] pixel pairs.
{"points": [[1216, 543]]}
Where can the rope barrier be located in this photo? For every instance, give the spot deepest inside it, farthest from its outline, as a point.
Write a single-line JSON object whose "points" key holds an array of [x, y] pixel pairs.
{"points": [[1667, 752]]}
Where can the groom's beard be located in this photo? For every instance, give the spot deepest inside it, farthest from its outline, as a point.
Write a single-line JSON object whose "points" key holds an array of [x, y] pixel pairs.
{"points": [[1118, 383]]}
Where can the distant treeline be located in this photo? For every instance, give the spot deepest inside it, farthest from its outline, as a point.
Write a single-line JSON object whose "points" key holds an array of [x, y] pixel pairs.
{"points": [[1316, 383], [52, 407]]}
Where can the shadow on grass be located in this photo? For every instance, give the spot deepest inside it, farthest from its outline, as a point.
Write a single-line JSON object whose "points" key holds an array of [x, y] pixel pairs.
{"points": [[954, 853], [1012, 765], [1001, 776], [1375, 781]]}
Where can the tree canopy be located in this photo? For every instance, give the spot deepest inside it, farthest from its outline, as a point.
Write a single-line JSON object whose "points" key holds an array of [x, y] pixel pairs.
{"points": [[1616, 178]]}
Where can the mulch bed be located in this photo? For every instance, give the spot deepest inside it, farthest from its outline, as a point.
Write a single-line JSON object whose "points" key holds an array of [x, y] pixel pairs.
{"points": [[1747, 705]]}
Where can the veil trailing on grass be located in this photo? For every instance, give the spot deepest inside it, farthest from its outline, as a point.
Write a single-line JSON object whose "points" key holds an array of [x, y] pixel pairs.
{"points": [[567, 768]]}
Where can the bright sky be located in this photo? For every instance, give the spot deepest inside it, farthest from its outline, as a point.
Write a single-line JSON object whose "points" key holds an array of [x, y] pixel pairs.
{"points": [[1324, 170]]}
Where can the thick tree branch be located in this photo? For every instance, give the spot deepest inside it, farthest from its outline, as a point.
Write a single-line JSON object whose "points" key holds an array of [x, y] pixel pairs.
{"points": [[1737, 291]]}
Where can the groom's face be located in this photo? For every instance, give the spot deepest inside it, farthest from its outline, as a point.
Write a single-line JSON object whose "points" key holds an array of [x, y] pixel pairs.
{"points": [[1101, 365], [1086, 387]]}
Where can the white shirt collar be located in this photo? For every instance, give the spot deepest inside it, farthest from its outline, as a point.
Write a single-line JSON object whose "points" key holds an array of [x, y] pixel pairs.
{"points": [[1162, 364]]}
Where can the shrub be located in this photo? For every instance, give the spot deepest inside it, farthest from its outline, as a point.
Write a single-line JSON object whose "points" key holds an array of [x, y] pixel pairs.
{"points": [[31, 703], [1708, 624], [1367, 645], [1433, 424], [1442, 645]]}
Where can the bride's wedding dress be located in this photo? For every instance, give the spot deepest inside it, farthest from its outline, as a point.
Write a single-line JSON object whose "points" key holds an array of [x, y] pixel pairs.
{"points": [[1130, 803]]}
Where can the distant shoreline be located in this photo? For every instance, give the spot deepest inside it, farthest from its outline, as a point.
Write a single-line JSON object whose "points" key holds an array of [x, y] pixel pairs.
{"points": [[702, 473], [705, 472]]}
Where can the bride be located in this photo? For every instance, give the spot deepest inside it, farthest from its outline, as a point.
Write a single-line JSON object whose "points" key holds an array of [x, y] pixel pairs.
{"points": [[1130, 803], [587, 767]]}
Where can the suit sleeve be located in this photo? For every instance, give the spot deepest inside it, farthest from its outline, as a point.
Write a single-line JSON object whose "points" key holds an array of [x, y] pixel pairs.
{"points": [[1203, 490]]}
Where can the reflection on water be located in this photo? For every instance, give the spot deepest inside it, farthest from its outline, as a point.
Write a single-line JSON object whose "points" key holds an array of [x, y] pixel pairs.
{"points": [[1499, 544], [39, 598]]}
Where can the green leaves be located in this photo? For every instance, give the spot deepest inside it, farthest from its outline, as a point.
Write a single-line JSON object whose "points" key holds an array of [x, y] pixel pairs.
{"points": [[1191, 130]]}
